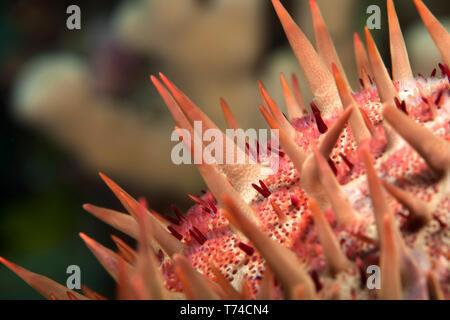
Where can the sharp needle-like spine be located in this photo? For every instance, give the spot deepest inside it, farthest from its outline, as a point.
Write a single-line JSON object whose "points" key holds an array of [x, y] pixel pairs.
{"points": [[118, 220], [434, 288], [336, 260], [229, 118], [386, 89], [191, 111], [177, 114], [295, 153], [356, 121], [362, 60], [435, 150], [419, 212], [233, 171], [324, 43], [107, 258], [217, 182], [317, 74], [228, 289], [48, 288], [194, 284], [345, 216], [293, 109], [377, 193], [267, 287], [329, 140], [391, 287], [282, 261], [125, 251], [91, 294], [167, 242], [280, 214], [310, 174], [146, 263], [277, 114], [298, 94], [401, 69]]}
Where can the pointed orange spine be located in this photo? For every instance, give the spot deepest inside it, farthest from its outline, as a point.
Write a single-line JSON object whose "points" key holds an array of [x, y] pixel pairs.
{"points": [[125, 251], [172, 105], [385, 87], [146, 262], [310, 174], [277, 114], [419, 213], [340, 203], [317, 74], [191, 111], [118, 220], [281, 260], [362, 61], [167, 242], [91, 294], [391, 287], [401, 68], [267, 286], [230, 119], [219, 185], [277, 210], [440, 36], [229, 290], [434, 288], [194, 284], [107, 258], [48, 288], [298, 94], [336, 260], [435, 150], [324, 43], [357, 124], [293, 109], [296, 154]]}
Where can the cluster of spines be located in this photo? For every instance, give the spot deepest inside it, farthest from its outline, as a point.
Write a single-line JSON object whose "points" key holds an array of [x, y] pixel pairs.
{"points": [[138, 273]]}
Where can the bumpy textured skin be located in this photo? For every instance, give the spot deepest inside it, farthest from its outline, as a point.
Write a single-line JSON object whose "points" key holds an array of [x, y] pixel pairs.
{"points": [[399, 165], [413, 257]]}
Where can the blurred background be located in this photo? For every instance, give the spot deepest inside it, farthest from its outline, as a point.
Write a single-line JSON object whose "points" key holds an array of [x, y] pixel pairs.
{"points": [[75, 102]]}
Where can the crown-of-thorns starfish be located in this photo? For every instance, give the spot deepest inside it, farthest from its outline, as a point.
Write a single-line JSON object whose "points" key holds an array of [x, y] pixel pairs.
{"points": [[364, 179]]}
